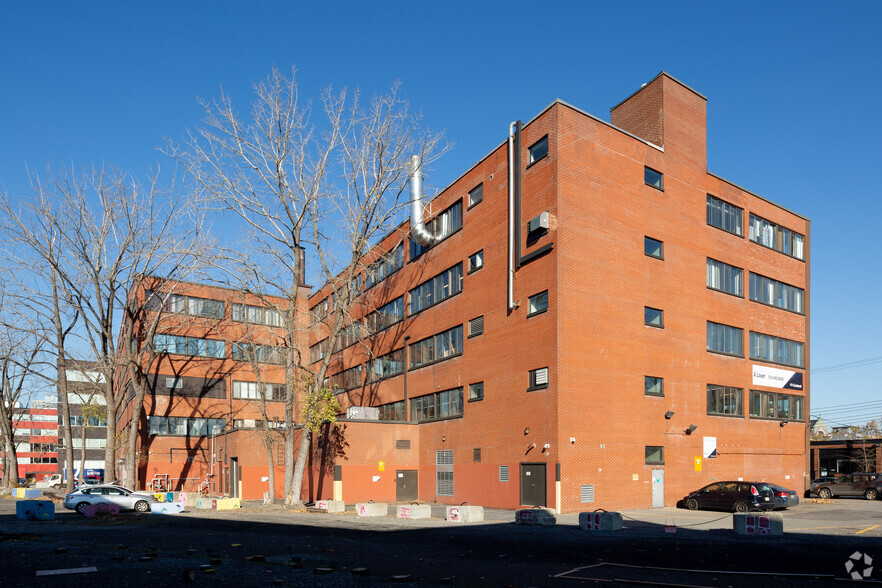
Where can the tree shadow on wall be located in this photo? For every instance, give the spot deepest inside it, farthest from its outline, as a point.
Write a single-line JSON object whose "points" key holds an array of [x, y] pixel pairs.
{"points": [[329, 446]]}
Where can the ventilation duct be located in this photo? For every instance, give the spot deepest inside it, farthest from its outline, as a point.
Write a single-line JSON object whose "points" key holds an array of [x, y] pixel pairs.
{"points": [[417, 225]]}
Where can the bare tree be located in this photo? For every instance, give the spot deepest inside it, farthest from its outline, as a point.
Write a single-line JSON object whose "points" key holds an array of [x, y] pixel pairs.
{"points": [[20, 351], [90, 240], [333, 189]]}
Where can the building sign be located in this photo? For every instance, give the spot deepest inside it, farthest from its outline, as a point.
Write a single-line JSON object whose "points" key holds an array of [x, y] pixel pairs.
{"points": [[776, 378], [710, 447]]}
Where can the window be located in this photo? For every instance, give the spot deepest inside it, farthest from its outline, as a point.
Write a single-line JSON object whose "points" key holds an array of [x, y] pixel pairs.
{"points": [[434, 290], [725, 339], [724, 400], [174, 383], [319, 312], [653, 178], [776, 350], [768, 291], [440, 405], [386, 366], [347, 379], [476, 261], [442, 226], [653, 317], [653, 247], [259, 353], [249, 391], [724, 277], [436, 348], [538, 303], [394, 411], [317, 352], [653, 386], [476, 455], [776, 237], [655, 455], [160, 425], [724, 216], [189, 346], [538, 150], [774, 405], [77, 421], [349, 335], [256, 315], [538, 379], [384, 267], [385, 316], [476, 326], [476, 195], [191, 305], [444, 472], [476, 392]]}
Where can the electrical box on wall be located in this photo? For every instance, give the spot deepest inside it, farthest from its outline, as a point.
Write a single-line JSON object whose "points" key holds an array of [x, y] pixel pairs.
{"points": [[538, 223]]}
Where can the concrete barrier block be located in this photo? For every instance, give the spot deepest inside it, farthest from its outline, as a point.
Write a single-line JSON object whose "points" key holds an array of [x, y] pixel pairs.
{"points": [[35, 510], [33, 493], [203, 503], [166, 508], [183, 497], [159, 496], [535, 516], [93, 510], [228, 503], [330, 505], [19, 492], [415, 511], [760, 524], [465, 514], [600, 521], [371, 509]]}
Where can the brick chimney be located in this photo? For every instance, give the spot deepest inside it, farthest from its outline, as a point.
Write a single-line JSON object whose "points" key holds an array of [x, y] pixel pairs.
{"points": [[667, 113]]}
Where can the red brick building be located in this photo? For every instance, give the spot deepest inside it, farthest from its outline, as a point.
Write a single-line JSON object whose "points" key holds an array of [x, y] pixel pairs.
{"points": [[501, 363], [632, 264]]}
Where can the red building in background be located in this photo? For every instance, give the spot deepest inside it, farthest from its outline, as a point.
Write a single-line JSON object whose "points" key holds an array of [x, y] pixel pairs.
{"points": [[36, 439]]}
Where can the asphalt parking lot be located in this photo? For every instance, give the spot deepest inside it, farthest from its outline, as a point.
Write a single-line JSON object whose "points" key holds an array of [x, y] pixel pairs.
{"points": [[305, 549]]}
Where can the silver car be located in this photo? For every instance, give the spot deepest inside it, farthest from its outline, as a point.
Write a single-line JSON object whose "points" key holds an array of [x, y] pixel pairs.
{"points": [[124, 498]]}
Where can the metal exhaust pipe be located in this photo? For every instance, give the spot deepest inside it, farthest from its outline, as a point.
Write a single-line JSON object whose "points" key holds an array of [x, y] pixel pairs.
{"points": [[417, 225]]}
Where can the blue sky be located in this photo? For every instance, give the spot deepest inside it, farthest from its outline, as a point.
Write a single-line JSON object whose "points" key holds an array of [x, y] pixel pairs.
{"points": [[793, 102]]}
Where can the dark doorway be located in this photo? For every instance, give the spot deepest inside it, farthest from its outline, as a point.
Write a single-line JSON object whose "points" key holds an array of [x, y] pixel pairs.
{"points": [[406, 486], [533, 484], [234, 477]]}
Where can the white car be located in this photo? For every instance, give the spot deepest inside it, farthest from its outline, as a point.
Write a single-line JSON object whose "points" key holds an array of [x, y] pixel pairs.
{"points": [[124, 498]]}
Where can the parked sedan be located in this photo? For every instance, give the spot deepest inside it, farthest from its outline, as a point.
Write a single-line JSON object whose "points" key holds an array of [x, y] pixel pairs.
{"points": [[783, 497], [734, 496], [124, 498], [868, 485]]}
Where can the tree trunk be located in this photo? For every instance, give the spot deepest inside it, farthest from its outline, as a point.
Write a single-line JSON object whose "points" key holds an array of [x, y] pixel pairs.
{"points": [[295, 497], [83, 450], [271, 495]]}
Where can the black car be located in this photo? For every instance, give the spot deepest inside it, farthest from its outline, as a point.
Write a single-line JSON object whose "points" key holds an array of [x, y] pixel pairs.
{"points": [[783, 497], [734, 496]]}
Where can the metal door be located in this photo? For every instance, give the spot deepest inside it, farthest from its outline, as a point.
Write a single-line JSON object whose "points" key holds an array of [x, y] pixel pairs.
{"points": [[533, 491], [406, 486], [658, 488], [234, 477]]}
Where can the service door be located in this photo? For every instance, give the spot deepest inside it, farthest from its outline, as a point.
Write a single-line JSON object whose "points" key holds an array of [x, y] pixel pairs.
{"points": [[533, 484], [234, 477], [658, 488], [406, 486]]}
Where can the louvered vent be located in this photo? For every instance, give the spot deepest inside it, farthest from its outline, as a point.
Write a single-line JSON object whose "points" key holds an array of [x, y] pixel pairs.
{"points": [[588, 493], [476, 326]]}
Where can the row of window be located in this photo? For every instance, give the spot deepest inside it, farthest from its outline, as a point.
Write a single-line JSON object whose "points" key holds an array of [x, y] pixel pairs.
{"points": [[730, 279], [256, 315], [728, 401], [251, 352], [209, 308], [189, 346], [730, 340], [250, 391], [730, 218], [439, 405], [77, 420], [192, 427]]}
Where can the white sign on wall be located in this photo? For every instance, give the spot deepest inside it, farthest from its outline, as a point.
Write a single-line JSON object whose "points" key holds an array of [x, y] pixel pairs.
{"points": [[710, 447], [776, 378]]}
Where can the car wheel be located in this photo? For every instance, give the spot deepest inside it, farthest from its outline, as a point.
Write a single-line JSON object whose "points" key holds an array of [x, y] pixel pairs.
{"points": [[81, 507], [871, 494], [142, 506], [741, 506], [692, 504], [825, 493]]}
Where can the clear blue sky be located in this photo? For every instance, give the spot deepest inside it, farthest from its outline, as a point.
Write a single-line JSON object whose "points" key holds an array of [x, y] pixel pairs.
{"points": [[793, 113]]}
